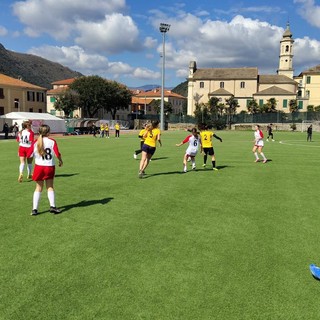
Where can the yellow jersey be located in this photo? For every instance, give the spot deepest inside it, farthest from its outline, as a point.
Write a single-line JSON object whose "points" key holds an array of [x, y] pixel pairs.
{"points": [[117, 127], [141, 133], [206, 138], [106, 128], [151, 137]]}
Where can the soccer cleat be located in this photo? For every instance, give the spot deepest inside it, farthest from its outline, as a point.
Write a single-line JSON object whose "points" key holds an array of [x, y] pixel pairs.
{"points": [[34, 212], [268, 140], [140, 175], [265, 161], [215, 169], [193, 167], [204, 165], [55, 210], [257, 160], [134, 156], [272, 140], [20, 177]]}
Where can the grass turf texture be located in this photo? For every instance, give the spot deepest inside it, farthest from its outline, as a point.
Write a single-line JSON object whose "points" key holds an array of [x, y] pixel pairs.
{"points": [[232, 244]]}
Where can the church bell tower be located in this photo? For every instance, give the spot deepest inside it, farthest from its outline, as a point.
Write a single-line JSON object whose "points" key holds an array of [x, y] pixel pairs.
{"points": [[286, 54]]}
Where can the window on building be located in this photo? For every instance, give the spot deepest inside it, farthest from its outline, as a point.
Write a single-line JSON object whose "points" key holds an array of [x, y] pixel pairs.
{"points": [[16, 103], [300, 104], [260, 102], [308, 79], [1, 93], [52, 99], [287, 48], [30, 95], [248, 102], [1, 111], [201, 84], [30, 109], [222, 84], [242, 84], [53, 112], [285, 103], [40, 110], [308, 94], [38, 96]]}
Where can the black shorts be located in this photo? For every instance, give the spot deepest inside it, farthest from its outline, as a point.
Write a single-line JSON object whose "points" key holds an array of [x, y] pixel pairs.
{"points": [[149, 150], [208, 151]]}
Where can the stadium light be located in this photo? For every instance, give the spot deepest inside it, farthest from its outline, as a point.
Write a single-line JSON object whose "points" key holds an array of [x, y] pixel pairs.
{"points": [[164, 28]]}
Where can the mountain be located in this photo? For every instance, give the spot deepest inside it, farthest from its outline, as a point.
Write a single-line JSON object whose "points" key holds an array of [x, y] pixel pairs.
{"points": [[181, 89], [33, 69]]}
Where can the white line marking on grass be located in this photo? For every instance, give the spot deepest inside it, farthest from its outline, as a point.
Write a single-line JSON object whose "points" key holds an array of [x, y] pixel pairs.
{"points": [[299, 143]]}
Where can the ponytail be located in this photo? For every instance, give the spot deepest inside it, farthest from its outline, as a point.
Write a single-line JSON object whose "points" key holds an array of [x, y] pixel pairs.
{"points": [[44, 131]]}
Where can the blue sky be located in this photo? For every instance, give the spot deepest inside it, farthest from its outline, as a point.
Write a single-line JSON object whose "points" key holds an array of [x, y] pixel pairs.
{"points": [[120, 39]]}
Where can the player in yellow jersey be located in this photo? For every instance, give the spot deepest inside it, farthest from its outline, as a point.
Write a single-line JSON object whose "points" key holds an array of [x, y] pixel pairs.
{"points": [[141, 133], [206, 145], [102, 128], [117, 128], [151, 136]]}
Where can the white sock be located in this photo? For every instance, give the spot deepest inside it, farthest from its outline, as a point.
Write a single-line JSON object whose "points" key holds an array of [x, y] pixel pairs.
{"points": [[263, 156], [21, 168], [256, 155], [51, 198], [184, 168], [29, 169], [36, 198]]}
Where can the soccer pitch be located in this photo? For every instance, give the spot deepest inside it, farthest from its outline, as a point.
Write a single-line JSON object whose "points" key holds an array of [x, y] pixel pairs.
{"points": [[231, 244]]}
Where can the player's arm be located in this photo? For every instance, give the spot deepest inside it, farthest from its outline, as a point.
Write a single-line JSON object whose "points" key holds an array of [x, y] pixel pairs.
{"points": [[159, 139], [217, 137], [57, 153]]}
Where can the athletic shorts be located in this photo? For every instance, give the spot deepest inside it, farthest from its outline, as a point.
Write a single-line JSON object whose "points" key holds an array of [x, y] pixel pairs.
{"points": [[260, 143], [208, 151], [41, 173], [149, 150], [23, 151]]}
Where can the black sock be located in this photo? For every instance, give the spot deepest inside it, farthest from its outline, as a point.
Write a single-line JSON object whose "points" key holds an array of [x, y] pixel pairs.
{"points": [[205, 159], [214, 163]]}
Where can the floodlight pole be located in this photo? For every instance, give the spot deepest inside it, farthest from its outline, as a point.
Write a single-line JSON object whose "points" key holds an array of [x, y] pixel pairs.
{"points": [[163, 29]]}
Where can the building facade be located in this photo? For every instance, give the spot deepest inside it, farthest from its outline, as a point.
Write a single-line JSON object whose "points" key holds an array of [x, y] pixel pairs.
{"points": [[17, 95], [246, 84]]}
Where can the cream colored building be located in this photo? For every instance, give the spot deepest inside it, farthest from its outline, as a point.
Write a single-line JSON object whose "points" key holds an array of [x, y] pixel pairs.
{"points": [[246, 84], [309, 86], [19, 96], [58, 87]]}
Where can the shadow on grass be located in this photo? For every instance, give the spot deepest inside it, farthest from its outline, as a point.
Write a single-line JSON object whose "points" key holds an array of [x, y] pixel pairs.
{"points": [[162, 174], [160, 158], [64, 175], [85, 203]]}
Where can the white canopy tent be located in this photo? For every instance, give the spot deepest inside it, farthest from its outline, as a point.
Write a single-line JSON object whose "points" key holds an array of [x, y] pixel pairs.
{"points": [[57, 125]]}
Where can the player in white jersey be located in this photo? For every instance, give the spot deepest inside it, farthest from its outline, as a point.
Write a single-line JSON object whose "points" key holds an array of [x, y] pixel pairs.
{"points": [[192, 150], [258, 144], [44, 151], [25, 138]]}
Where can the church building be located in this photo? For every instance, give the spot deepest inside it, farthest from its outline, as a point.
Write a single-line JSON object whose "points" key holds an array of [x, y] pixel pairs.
{"points": [[246, 83]]}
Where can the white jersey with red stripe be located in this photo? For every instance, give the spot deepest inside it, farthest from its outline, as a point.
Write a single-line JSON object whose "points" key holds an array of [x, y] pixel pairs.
{"points": [[194, 143], [25, 138], [51, 150], [258, 138]]}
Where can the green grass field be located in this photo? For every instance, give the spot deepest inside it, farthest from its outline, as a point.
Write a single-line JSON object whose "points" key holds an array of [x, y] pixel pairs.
{"points": [[232, 244]]}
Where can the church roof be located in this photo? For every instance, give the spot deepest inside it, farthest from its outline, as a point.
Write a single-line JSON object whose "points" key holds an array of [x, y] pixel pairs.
{"points": [[313, 70], [275, 91], [226, 73], [275, 79], [220, 92], [287, 32]]}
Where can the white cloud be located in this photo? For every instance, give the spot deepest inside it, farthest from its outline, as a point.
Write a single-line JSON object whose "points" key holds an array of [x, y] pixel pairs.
{"points": [[310, 12], [114, 34], [145, 74], [57, 18], [150, 42], [3, 31]]}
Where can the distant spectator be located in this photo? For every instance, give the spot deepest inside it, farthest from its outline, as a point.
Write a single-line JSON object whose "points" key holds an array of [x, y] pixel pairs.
{"points": [[5, 130], [309, 133], [117, 128], [15, 130], [270, 133]]}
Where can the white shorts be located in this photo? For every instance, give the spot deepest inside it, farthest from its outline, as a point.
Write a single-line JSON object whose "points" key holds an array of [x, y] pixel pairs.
{"points": [[259, 143]]}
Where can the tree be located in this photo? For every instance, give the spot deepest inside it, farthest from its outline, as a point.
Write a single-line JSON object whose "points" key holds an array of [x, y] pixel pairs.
{"points": [[213, 107], [120, 97], [253, 107], [67, 101], [167, 106], [231, 110], [293, 107], [94, 94], [271, 105]]}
